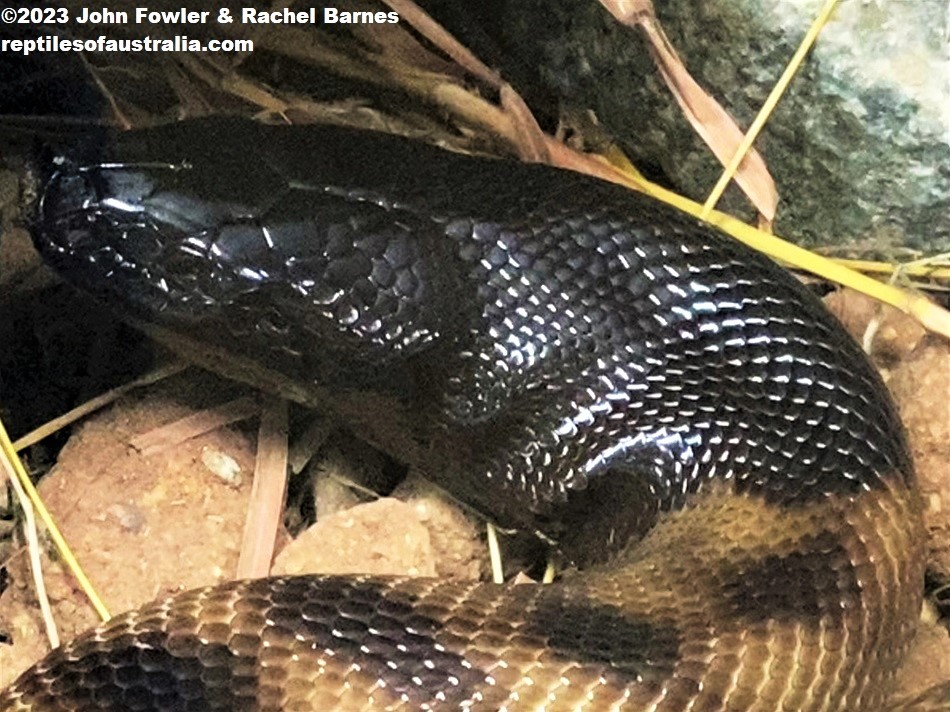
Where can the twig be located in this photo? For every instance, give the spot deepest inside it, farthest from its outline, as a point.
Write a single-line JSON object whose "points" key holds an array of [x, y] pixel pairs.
{"points": [[33, 546], [11, 460], [203, 421], [494, 554], [441, 38], [267, 493], [94, 404]]}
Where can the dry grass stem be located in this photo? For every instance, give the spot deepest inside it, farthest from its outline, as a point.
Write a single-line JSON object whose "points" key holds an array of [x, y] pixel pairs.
{"points": [[711, 122], [203, 421], [94, 404], [33, 547], [267, 493]]}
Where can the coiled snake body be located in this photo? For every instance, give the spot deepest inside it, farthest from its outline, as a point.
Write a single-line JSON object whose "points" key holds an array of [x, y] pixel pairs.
{"points": [[678, 415]]}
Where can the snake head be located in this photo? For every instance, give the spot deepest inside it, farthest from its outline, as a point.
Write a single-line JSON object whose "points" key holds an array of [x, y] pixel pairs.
{"points": [[113, 212], [254, 237]]}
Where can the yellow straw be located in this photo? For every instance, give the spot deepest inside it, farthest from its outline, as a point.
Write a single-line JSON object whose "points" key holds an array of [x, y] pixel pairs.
{"points": [[917, 268], [918, 306], [7, 447]]}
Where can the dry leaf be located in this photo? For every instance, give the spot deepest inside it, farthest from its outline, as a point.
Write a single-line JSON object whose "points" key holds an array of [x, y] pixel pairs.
{"points": [[713, 123]]}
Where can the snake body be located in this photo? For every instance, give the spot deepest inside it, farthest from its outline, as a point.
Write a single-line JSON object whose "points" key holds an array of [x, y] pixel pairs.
{"points": [[677, 415]]}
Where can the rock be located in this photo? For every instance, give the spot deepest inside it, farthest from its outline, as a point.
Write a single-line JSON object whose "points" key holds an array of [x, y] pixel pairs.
{"points": [[425, 535], [886, 332], [382, 537], [927, 663], [916, 367], [858, 147], [140, 525], [921, 387]]}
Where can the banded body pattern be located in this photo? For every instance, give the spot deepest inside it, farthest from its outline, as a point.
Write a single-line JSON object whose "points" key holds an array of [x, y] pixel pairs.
{"points": [[678, 415]]}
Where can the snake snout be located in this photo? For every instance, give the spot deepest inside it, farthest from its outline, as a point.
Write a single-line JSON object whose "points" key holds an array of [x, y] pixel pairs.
{"points": [[90, 220]]}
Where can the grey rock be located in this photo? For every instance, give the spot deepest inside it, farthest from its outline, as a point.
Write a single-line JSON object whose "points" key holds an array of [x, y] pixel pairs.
{"points": [[859, 146]]}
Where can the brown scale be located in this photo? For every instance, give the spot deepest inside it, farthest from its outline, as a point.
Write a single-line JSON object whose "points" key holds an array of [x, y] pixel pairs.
{"points": [[566, 356], [736, 605]]}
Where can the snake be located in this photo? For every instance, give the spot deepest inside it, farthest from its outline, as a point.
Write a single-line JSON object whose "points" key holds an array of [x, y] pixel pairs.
{"points": [[678, 418]]}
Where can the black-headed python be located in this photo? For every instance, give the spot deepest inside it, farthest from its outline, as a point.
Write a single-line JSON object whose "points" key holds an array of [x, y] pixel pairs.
{"points": [[676, 414]]}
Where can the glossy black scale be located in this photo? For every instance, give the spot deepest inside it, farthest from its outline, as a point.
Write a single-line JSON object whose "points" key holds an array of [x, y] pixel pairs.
{"points": [[564, 343]]}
